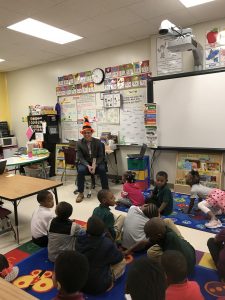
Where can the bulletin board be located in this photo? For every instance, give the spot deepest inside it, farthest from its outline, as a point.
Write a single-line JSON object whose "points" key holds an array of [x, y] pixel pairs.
{"points": [[125, 119], [117, 106]]}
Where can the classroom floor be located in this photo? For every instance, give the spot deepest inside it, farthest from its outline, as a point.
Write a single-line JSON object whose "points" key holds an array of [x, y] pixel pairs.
{"points": [[82, 211]]}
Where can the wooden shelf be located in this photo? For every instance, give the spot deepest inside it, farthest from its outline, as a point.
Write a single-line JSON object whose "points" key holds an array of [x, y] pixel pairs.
{"points": [[209, 166]]}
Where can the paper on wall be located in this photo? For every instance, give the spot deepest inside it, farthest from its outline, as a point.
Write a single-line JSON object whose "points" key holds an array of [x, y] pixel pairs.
{"points": [[68, 109], [69, 131], [108, 116], [134, 98], [132, 129]]}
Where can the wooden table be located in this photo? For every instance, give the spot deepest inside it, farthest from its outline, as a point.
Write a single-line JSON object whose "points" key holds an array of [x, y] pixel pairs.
{"points": [[10, 291], [16, 187]]}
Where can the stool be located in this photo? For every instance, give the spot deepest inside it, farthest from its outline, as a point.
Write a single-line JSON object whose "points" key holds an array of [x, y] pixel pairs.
{"points": [[89, 186]]}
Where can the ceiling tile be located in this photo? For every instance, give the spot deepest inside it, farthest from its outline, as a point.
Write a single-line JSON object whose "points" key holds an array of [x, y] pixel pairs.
{"points": [[209, 11], [117, 4], [89, 27], [28, 7], [70, 12], [118, 18], [112, 38], [138, 30], [8, 17], [150, 8]]}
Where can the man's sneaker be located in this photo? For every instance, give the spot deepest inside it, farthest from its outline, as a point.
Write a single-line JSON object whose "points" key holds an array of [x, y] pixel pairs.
{"points": [[80, 197], [213, 224]]}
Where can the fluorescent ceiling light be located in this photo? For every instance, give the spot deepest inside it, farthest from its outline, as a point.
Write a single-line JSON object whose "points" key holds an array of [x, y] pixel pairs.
{"points": [[190, 3], [1, 60], [44, 31]]}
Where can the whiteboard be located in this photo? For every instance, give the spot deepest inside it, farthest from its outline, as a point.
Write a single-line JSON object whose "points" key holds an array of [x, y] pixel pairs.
{"points": [[191, 111]]}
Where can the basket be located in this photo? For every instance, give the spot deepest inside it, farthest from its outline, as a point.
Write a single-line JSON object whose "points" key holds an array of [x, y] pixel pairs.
{"points": [[33, 172], [37, 171]]}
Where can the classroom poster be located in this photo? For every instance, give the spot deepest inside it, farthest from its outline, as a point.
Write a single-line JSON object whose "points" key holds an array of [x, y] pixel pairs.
{"points": [[134, 98], [69, 131], [215, 48], [132, 130], [68, 109], [108, 116], [167, 62], [86, 101], [212, 58], [151, 136], [86, 106]]}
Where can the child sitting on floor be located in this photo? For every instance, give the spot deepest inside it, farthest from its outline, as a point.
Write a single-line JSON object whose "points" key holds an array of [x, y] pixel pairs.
{"points": [[158, 233], [62, 231], [179, 287], [105, 260], [214, 199], [131, 194], [145, 280], [41, 218], [217, 250], [70, 276], [112, 223], [7, 272], [133, 228], [161, 195]]}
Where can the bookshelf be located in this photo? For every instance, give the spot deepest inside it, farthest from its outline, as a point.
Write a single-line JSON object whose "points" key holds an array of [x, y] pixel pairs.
{"points": [[209, 166]]}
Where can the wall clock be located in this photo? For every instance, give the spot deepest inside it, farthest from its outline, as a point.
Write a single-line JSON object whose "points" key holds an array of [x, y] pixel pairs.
{"points": [[98, 76]]}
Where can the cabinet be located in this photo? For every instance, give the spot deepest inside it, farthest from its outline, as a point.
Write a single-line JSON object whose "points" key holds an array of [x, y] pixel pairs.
{"points": [[51, 134], [209, 166], [141, 167]]}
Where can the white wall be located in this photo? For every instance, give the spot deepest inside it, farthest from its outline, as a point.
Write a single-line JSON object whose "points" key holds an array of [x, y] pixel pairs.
{"points": [[36, 85]]}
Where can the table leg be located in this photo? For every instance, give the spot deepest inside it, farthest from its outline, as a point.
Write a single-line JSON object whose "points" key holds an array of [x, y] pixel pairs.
{"points": [[16, 221], [56, 195]]}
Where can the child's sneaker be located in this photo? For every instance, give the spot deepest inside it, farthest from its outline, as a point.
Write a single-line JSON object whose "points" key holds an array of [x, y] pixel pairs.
{"points": [[216, 211], [213, 224]]}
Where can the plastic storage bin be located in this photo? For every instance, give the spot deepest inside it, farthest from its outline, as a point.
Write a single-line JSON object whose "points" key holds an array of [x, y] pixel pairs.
{"points": [[136, 164], [141, 167], [37, 171], [33, 171]]}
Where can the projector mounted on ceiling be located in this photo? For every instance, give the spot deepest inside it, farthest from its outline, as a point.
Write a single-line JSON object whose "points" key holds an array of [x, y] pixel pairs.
{"points": [[182, 40]]}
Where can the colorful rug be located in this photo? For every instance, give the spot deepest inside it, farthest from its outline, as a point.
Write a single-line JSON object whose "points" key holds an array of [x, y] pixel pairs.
{"points": [[195, 220], [16, 255], [35, 277]]}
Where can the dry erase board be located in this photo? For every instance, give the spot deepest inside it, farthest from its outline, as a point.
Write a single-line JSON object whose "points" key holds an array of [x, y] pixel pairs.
{"points": [[191, 111]]}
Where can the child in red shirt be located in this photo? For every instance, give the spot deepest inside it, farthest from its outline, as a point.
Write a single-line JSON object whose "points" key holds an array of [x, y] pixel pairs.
{"points": [[178, 286], [131, 194]]}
